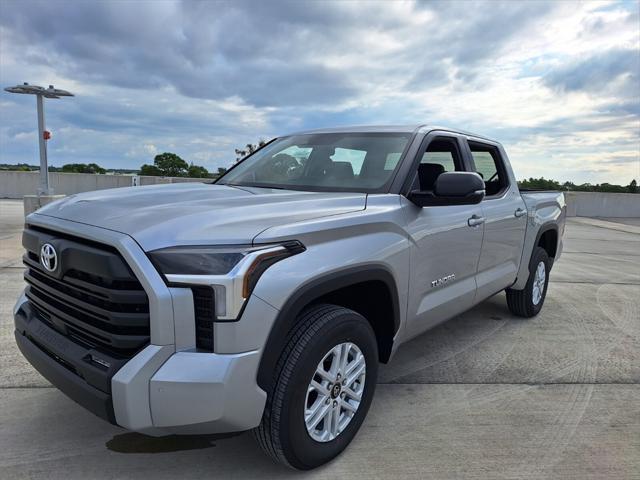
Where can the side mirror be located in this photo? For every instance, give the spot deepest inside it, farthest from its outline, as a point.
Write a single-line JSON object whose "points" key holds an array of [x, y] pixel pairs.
{"points": [[451, 188]]}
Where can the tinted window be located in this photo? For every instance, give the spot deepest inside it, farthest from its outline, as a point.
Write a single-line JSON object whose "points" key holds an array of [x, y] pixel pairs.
{"points": [[442, 158], [490, 167], [443, 152], [441, 155], [485, 165]]}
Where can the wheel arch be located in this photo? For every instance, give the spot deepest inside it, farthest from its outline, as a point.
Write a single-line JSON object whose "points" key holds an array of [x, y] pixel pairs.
{"points": [[335, 287], [547, 238], [530, 246]]}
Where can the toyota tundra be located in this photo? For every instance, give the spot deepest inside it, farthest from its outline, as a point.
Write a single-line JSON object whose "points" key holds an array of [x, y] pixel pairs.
{"points": [[265, 300]]}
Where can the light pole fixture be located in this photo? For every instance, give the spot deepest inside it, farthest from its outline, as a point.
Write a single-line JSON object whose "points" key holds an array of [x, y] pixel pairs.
{"points": [[41, 93]]}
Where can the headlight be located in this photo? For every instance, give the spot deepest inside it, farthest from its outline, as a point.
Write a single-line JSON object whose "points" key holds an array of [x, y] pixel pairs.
{"points": [[197, 260], [232, 272]]}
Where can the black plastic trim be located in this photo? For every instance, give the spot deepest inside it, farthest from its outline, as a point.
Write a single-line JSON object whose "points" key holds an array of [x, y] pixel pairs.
{"points": [[67, 364], [204, 312], [305, 295], [544, 228], [92, 296], [97, 402]]}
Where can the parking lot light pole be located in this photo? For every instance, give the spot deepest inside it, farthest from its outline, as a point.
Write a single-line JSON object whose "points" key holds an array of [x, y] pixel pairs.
{"points": [[44, 188], [41, 93]]}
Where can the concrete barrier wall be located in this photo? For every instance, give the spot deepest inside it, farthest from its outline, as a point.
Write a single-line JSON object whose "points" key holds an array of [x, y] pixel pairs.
{"points": [[596, 204], [19, 184]]}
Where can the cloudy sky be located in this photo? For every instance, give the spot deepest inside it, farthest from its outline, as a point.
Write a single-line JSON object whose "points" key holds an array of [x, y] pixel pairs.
{"points": [[558, 83]]}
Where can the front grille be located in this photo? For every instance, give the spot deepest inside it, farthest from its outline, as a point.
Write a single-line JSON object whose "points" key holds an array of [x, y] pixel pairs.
{"points": [[92, 297]]}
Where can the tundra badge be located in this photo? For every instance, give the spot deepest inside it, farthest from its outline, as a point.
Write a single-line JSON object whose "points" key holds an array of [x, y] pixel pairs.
{"points": [[443, 280]]}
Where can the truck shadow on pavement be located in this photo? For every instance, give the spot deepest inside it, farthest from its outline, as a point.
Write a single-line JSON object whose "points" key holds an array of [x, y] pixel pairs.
{"points": [[132, 442]]}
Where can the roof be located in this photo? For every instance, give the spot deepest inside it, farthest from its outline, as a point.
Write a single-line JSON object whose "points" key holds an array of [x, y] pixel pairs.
{"points": [[415, 128]]}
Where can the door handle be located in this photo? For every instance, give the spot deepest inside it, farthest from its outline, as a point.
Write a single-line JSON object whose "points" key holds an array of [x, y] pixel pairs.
{"points": [[520, 212], [475, 220]]}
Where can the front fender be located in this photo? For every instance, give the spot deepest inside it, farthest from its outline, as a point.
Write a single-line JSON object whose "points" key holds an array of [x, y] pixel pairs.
{"points": [[294, 283]]}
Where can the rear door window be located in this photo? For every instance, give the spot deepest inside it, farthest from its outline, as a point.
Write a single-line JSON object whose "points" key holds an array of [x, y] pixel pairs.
{"points": [[489, 165]]}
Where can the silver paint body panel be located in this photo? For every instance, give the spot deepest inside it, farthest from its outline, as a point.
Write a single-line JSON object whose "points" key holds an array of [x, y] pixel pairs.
{"points": [[442, 244], [502, 242]]}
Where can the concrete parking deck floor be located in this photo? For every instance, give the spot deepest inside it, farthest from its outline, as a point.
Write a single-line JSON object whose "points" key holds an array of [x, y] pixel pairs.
{"points": [[485, 395]]}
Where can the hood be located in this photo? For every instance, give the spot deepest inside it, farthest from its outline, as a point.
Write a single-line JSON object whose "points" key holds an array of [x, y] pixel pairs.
{"points": [[196, 213]]}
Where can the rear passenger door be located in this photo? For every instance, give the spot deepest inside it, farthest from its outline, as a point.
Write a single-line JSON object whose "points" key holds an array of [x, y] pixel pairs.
{"points": [[505, 217], [446, 248]]}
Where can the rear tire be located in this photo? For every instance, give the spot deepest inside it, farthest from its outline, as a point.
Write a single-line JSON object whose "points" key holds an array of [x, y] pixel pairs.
{"points": [[322, 333], [528, 301]]}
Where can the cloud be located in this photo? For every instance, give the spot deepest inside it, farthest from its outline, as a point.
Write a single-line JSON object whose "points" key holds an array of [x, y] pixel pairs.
{"points": [[622, 160], [202, 49], [616, 68], [557, 82]]}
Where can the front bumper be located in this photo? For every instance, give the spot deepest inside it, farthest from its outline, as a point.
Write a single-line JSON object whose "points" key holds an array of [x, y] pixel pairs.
{"points": [[188, 392], [167, 387], [62, 375]]}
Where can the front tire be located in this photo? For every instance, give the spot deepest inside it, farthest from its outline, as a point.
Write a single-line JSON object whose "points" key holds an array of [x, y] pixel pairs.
{"points": [[322, 388], [528, 301]]}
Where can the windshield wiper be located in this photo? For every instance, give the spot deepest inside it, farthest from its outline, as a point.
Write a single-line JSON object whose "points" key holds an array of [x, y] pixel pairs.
{"points": [[270, 186], [249, 185]]}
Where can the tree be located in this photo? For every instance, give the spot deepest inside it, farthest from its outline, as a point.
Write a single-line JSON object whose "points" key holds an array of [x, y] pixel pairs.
{"points": [[540, 184], [166, 165], [171, 165], [544, 184], [221, 171], [196, 171], [150, 170], [249, 149], [82, 168]]}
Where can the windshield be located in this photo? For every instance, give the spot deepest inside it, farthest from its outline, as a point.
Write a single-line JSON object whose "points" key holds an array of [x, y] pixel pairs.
{"points": [[359, 162]]}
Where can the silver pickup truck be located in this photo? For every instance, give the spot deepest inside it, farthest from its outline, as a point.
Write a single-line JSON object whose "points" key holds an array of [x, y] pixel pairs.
{"points": [[267, 299]]}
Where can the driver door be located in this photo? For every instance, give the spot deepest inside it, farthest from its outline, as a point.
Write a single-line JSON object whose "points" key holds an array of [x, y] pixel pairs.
{"points": [[446, 248]]}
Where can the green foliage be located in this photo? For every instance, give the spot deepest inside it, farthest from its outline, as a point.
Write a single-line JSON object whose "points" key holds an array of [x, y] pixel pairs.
{"points": [[150, 170], [18, 167], [249, 149], [82, 168], [540, 184], [196, 171], [545, 184], [171, 165], [221, 171]]}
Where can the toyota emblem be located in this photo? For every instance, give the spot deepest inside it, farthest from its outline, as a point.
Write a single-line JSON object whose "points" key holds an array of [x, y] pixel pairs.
{"points": [[48, 257]]}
